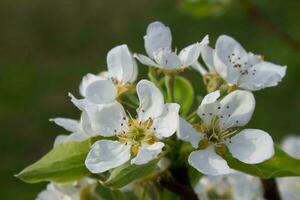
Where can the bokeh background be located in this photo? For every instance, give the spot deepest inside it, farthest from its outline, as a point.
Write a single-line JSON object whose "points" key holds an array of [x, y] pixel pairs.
{"points": [[47, 46]]}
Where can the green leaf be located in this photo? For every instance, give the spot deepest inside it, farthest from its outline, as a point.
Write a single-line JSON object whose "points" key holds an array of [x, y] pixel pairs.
{"points": [[280, 165], [183, 94], [118, 195], [127, 173], [64, 163]]}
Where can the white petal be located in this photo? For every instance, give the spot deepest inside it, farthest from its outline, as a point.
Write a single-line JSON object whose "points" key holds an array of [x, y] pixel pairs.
{"points": [[121, 64], [237, 109], [208, 162], [187, 133], [145, 60], [51, 193], [228, 53], [209, 107], [107, 154], [86, 125], [59, 140], [68, 124], [262, 75], [101, 92], [76, 137], [251, 146], [86, 81], [106, 119], [207, 54], [147, 153], [151, 100], [197, 66], [158, 36], [167, 124], [190, 54], [167, 59], [291, 145], [79, 103]]}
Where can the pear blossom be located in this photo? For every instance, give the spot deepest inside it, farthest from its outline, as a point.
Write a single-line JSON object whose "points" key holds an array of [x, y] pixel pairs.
{"points": [[289, 187], [158, 41], [239, 68], [220, 128], [138, 139], [67, 191], [235, 186], [108, 85]]}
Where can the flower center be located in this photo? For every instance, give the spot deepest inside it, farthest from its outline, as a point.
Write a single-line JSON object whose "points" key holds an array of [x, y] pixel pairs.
{"points": [[121, 86], [138, 133], [214, 134]]}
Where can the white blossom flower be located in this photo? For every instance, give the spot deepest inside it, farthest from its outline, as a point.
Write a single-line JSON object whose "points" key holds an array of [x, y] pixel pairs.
{"points": [[235, 186], [138, 138], [158, 41], [105, 87], [289, 187], [239, 68], [219, 128], [67, 191]]}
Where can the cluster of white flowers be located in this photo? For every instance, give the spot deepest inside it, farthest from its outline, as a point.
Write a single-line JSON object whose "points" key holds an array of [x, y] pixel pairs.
{"points": [[237, 185], [141, 138]]}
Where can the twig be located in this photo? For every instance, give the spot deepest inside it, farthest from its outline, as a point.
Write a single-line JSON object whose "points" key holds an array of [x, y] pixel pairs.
{"points": [[185, 192], [264, 23], [271, 191]]}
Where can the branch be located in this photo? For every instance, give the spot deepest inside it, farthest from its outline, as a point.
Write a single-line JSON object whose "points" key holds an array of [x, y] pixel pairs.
{"points": [[185, 192], [266, 25], [271, 191]]}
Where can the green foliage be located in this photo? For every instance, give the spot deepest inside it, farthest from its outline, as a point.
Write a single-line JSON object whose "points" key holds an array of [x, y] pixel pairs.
{"points": [[203, 8], [127, 173], [63, 163], [280, 165], [183, 94]]}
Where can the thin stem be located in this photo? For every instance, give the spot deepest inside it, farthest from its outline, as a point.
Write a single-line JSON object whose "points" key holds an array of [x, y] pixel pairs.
{"points": [[169, 82], [271, 191], [152, 76]]}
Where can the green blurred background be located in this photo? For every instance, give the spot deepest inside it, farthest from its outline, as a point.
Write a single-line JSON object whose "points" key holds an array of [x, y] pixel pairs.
{"points": [[47, 46]]}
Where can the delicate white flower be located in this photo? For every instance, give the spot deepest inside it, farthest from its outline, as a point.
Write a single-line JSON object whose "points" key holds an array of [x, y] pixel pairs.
{"points": [[158, 41], [219, 127], [138, 138], [67, 191], [105, 87], [289, 187], [235, 186], [239, 68]]}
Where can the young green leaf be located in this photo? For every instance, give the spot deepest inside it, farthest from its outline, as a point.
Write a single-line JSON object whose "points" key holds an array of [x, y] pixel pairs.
{"points": [[127, 173], [183, 94], [62, 164], [280, 165]]}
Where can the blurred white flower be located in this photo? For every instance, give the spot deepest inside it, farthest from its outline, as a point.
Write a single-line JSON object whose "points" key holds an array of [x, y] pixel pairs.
{"points": [[234, 186], [289, 187], [239, 68], [158, 41], [137, 138], [105, 87], [68, 191], [219, 128]]}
